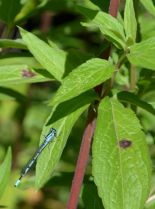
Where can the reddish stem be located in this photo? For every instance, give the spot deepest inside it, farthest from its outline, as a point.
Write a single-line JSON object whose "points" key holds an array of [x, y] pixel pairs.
{"points": [[87, 136], [113, 8], [82, 161], [46, 21]]}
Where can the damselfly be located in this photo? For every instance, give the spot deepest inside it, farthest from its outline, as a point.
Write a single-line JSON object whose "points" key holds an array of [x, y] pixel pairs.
{"points": [[50, 136]]}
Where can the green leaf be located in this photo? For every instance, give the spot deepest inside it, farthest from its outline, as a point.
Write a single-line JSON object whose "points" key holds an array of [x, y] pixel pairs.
{"points": [[130, 23], [109, 26], [51, 58], [8, 10], [121, 164], [74, 59], [50, 157], [42, 3], [89, 4], [15, 74], [143, 54], [5, 170], [69, 106], [133, 99], [147, 119], [26, 10], [147, 25], [8, 43], [12, 94], [148, 4], [86, 76], [30, 61]]}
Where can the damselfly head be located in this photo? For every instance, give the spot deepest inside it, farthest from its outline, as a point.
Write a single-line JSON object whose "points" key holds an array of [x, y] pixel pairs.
{"points": [[54, 131]]}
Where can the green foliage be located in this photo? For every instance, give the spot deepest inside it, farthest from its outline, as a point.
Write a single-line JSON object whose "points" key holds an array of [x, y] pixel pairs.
{"points": [[64, 75], [31, 62], [5, 170], [51, 58], [18, 43], [133, 99], [113, 159], [90, 198], [142, 54], [45, 163], [12, 94], [15, 74], [149, 6], [130, 23], [28, 8], [8, 10], [83, 78], [108, 25]]}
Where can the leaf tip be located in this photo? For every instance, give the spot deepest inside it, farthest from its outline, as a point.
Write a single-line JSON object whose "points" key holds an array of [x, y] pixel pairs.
{"points": [[22, 31]]}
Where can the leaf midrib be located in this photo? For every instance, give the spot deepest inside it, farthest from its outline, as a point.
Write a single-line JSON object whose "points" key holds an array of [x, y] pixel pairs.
{"points": [[120, 160]]}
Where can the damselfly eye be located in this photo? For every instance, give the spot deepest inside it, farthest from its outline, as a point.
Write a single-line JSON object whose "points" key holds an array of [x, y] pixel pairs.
{"points": [[54, 131]]}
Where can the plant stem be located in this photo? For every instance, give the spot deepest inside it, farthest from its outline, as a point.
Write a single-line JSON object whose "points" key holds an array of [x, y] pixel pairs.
{"points": [[82, 161], [46, 20], [121, 61], [113, 8], [133, 78], [87, 136]]}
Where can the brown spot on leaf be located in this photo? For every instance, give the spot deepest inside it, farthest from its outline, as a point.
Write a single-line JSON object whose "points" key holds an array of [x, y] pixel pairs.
{"points": [[28, 73], [125, 143]]}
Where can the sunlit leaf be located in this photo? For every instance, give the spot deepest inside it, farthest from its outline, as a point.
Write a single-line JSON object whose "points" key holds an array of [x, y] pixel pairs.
{"points": [[143, 54], [109, 26], [15, 74], [52, 59], [30, 61], [84, 77], [130, 23], [121, 163]]}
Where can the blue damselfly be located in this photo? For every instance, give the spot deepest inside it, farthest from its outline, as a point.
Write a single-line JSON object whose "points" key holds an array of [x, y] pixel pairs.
{"points": [[50, 136]]}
